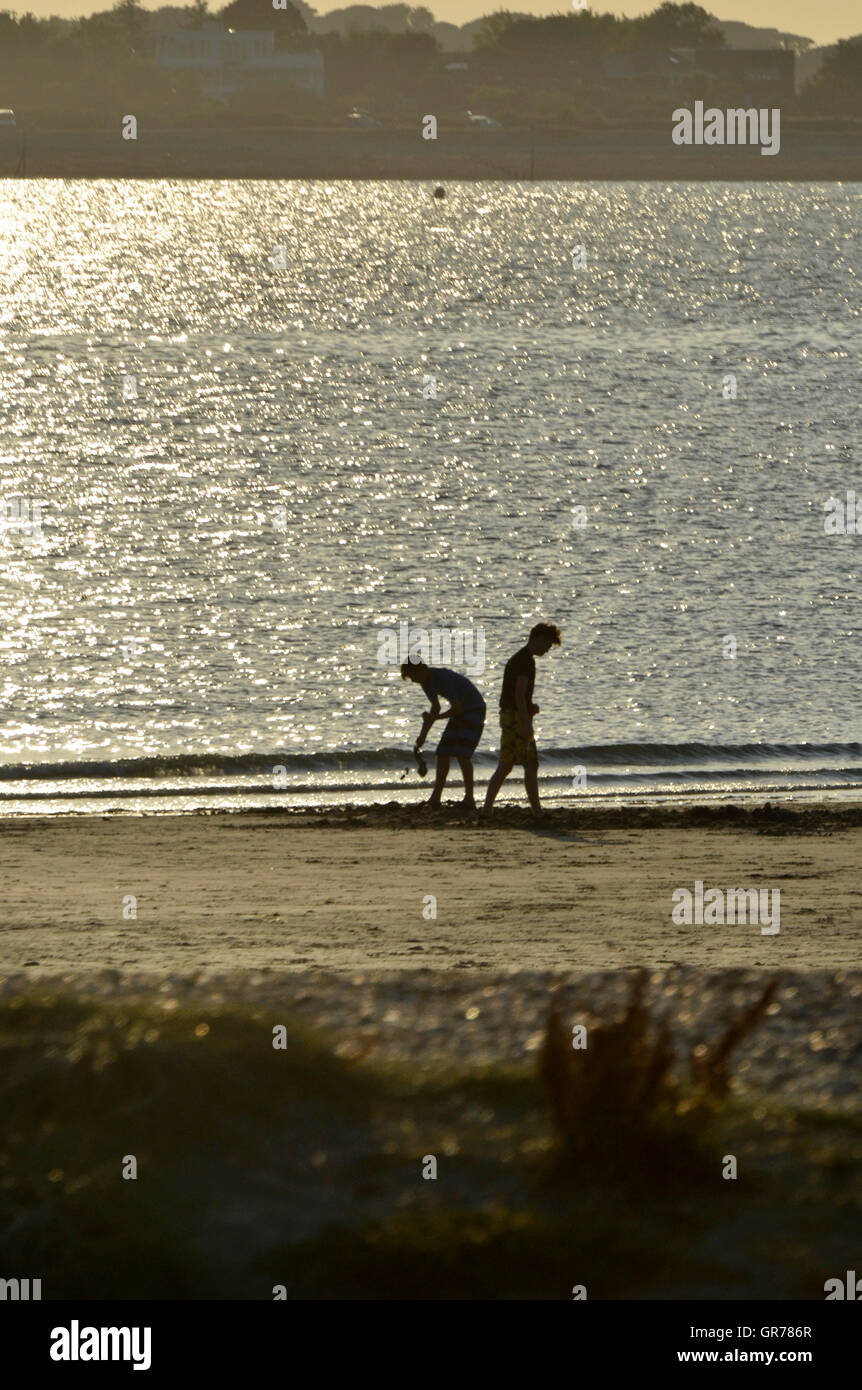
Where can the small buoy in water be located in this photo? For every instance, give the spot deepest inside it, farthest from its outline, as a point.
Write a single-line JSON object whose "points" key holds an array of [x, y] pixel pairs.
{"points": [[439, 191]]}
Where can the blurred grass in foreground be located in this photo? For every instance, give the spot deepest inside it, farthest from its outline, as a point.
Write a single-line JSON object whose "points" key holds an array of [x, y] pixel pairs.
{"points": [[260, 1167]]}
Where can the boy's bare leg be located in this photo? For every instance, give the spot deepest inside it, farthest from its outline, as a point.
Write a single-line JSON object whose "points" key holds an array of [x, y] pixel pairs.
{"points": [[439, 781], [496, 782], [531, 786], [466, 767]]}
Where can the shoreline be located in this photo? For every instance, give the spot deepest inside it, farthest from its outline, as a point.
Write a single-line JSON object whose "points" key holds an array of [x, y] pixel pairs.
{"points": [[104, 805], [588, 154], [758, 812]]}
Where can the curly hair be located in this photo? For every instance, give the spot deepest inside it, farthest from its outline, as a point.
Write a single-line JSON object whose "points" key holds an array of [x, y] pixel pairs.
{"points": [[549, 631]]}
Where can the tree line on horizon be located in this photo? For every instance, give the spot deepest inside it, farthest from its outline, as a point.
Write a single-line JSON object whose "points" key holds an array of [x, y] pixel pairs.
{"points": [[397, 60]]}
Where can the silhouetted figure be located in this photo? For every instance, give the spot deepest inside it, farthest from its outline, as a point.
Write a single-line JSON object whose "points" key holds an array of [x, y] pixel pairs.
{"points": [[466, 720], [517, 743]]}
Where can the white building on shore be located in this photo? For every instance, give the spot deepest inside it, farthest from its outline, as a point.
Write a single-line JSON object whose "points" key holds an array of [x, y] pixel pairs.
{"points": [[231, 58]]}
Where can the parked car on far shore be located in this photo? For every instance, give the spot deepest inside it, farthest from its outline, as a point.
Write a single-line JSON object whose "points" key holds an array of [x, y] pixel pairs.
{"points": [[359, 118]]}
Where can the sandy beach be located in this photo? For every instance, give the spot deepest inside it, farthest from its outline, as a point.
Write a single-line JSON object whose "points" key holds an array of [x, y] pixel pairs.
{"points": [[588, 889], [299, 1166]]}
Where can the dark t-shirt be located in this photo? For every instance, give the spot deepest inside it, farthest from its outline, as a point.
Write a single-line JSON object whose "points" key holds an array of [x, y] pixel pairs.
{"points": [[453, 687], [523, 663]]}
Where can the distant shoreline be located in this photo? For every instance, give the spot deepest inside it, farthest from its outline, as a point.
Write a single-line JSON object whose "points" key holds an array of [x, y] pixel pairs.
{"points": [[806, 154]]}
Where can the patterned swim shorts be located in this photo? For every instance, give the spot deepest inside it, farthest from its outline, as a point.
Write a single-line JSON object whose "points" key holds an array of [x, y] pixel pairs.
{"points": [[514, 747], [462, 733]]}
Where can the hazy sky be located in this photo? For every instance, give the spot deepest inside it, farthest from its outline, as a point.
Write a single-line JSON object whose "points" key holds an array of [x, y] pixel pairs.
{"points": [[824, 22]]}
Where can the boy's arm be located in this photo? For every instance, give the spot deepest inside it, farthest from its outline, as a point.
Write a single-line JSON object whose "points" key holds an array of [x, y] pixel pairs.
{"points": [[433, 715], [427, 720], [522, 707]]}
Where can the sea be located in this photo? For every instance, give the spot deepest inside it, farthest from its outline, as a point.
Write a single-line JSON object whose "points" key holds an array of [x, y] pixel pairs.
{"points": [[251, 433]]}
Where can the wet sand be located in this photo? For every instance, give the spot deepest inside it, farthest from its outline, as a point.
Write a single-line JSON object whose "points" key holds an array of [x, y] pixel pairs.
{"points": [[349, 891]]}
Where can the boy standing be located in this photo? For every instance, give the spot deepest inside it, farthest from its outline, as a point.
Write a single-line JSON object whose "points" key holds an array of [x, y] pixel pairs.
{"points": [[517, 744]]}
